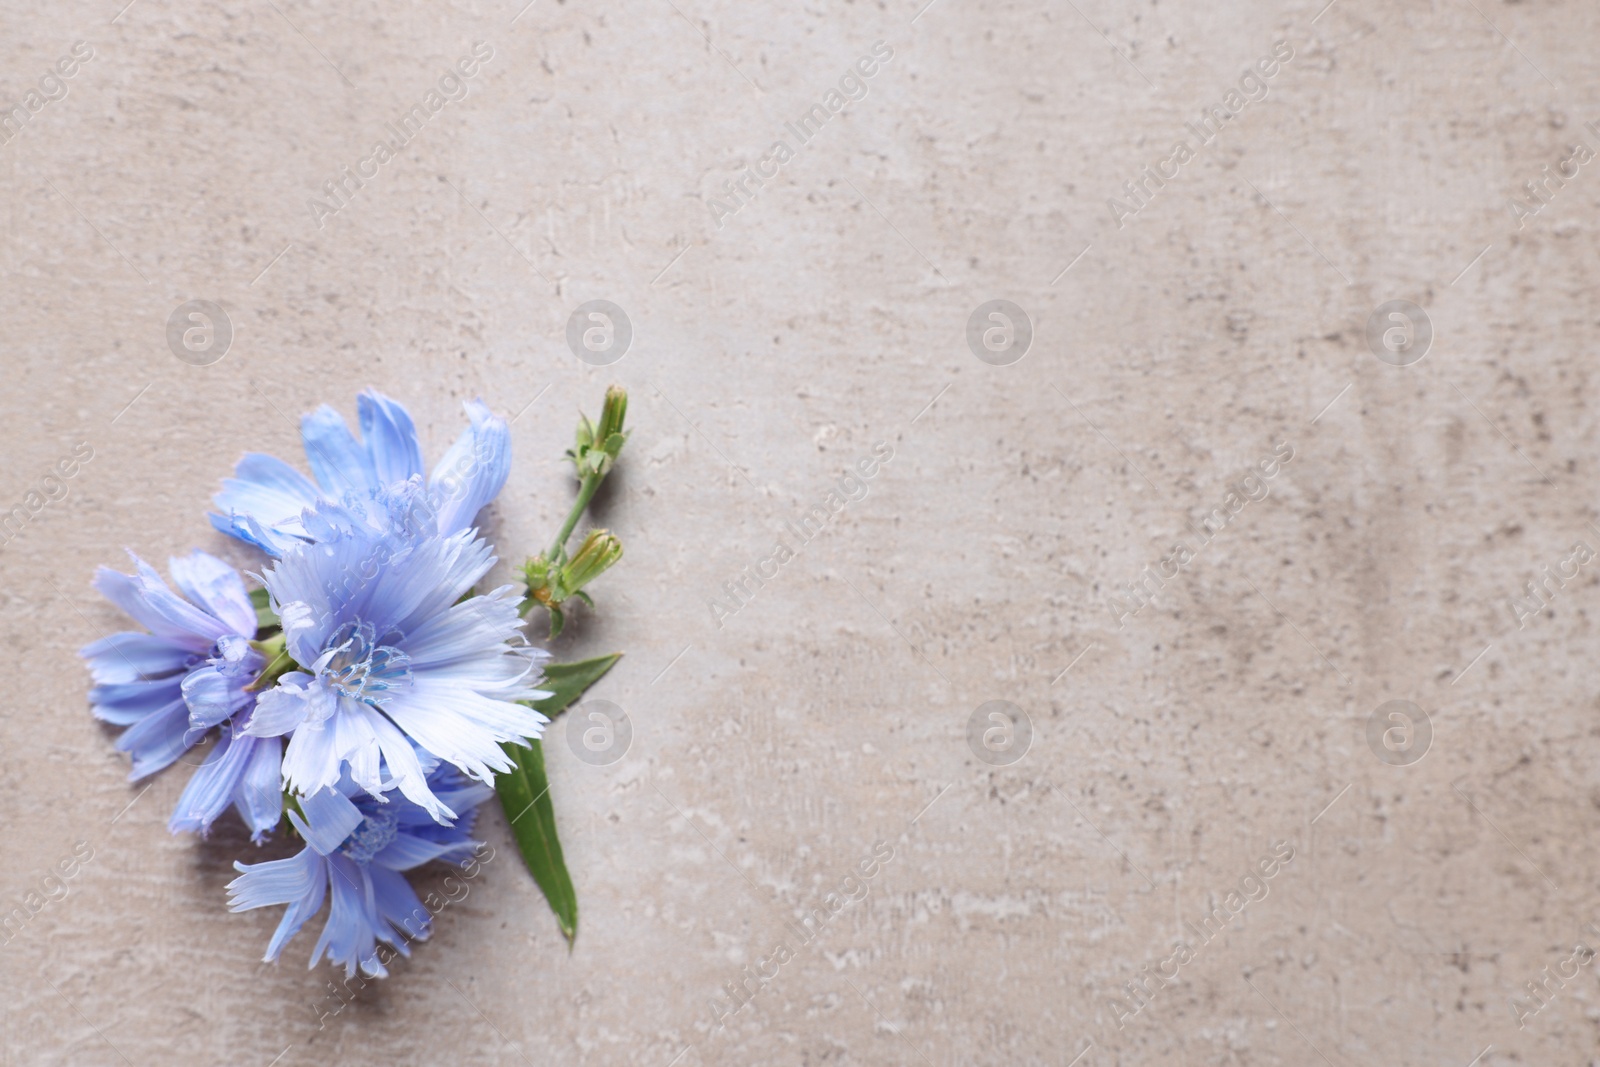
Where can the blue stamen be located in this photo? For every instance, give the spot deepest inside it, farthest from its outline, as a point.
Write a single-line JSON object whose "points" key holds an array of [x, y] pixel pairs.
{"points": [[362, 669]]}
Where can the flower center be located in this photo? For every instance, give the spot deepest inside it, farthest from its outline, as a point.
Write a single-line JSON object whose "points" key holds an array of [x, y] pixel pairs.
{"points": [[360, 668], [373, 835]]}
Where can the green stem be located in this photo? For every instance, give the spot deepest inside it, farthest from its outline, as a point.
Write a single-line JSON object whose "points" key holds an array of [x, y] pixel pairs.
{"points": [[586, 491], [279, 662]]}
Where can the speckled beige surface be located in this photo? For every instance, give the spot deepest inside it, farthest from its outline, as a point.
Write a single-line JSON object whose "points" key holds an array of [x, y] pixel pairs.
{"points": [[778, 746]]}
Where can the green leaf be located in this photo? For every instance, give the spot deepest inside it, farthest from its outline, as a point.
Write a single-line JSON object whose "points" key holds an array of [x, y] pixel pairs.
{"points": [[265, 618], [567, 682], [525, 792], [525, 796]]}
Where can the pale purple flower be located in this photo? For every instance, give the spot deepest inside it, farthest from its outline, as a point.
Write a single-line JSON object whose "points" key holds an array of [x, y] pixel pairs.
{"points": [[356, 847], [190, 673], [392, 654], [264, 503]]}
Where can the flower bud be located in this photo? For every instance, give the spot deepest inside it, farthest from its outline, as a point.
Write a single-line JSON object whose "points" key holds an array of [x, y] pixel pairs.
{"points": [[597, 445], [597, 553], [612, 416], [536, 574]]}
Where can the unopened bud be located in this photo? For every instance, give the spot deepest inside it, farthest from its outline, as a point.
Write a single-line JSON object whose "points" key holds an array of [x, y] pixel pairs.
{"points": [[612, 415], [536, 574], [597, 445], [597, 553]]}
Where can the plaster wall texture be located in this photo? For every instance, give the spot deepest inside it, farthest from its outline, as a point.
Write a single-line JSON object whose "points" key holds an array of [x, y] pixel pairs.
{"points": [[1178, 339]]}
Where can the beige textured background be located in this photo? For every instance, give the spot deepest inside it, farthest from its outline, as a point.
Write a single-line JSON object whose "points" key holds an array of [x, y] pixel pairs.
{"points": [[829, 314]]}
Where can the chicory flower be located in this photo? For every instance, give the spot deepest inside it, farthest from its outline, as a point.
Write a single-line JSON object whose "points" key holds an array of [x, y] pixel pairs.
{"points": [[356, 848], [191, 672], [264, 503], [392, 654]]}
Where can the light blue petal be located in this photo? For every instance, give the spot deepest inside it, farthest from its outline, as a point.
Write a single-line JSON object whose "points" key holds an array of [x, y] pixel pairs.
{"points": [[285, 706], [300, 911], [465, 796], [317, 588], [212, 697], [133, 597], [300, 881], [431, 763], [470, 634], [216, 587], [332, 519], [236, 659], [285, 881], [350, 934], [175, 611], [126, 703], [156, 740], [267, 489], [400, 762], [404, 765], [457, 793], [399, 909], [436, 574], [129, 656], [259, 794], [211, 787], [473, 471], [329, 819], [358, 745], [390, 438], [407, 851], [391, 582], [462, 726], [268, 539], [339, 463]]}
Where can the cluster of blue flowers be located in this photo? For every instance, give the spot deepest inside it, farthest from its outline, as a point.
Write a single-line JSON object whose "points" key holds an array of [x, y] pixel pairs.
{"points": [[365, 696]]}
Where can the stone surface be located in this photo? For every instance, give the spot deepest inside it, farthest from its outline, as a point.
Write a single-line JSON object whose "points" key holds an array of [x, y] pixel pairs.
{"points": [[1175, 346]]}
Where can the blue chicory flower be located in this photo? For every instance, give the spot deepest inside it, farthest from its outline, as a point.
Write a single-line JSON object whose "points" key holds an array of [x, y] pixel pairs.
{"points": [[390, 654], [264, 503], [190, 673], [357, 846]]}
